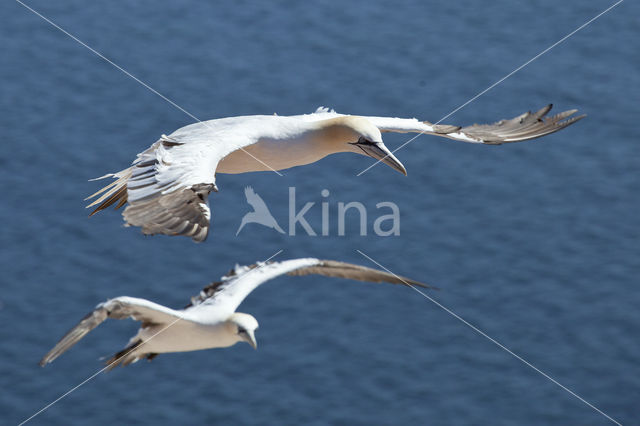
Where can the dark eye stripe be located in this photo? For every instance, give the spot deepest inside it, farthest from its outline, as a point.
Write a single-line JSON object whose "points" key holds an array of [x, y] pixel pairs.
{"points": [[362, 141]]}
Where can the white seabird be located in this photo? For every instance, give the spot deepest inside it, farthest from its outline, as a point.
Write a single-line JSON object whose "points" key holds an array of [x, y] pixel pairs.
{"points": [[168, 185], [210, 320]]}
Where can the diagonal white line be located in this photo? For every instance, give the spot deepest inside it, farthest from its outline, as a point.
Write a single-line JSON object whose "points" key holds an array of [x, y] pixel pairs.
{"points": [[499, 81], [529, 61], [128, 74], [500, 345], [397, 149], [106, 367]]}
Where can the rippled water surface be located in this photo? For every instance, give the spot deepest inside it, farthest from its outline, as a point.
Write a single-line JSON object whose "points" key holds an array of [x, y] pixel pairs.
{"points": [[534, 243]]}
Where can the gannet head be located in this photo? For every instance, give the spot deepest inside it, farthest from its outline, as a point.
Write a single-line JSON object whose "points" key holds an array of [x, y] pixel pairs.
{"points": [[359, 135], [244, 327]]}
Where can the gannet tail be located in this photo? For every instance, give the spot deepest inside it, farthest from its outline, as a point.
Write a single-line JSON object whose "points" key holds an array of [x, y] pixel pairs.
{"points": [[116, 191], [128, 355]]}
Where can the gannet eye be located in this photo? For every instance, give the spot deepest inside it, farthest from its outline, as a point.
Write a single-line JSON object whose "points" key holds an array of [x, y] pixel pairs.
{"points": [[241, 330], [362, 141]]}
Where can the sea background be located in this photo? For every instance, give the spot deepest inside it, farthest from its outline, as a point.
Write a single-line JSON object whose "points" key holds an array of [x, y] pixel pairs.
{"points": [[536, 243]]}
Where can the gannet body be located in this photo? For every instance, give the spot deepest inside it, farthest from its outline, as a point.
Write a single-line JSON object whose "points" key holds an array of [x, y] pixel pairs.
{"points": [[210, 320], [168, 185]]}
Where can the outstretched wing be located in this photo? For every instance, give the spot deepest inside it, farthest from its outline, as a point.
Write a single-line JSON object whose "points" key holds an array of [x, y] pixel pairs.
{"points": [[521, 128], [168, 185], [334, 268], [226, 295], [142, 310]]}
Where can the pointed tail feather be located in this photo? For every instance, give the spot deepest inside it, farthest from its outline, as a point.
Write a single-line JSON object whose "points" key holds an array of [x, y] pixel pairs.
{"points": [[114, 192], [124, 357]]}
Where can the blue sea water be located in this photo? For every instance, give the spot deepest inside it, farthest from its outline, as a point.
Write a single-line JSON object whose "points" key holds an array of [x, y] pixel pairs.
{"points": [[535, 243]]}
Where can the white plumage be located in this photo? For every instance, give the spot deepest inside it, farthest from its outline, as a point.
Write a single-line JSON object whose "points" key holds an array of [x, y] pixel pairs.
{"points": [[210, 320], [168, 185]]}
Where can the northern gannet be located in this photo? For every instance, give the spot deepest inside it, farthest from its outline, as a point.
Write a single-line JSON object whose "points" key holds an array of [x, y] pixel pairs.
{"points": [[168, 185], [210, 320]]}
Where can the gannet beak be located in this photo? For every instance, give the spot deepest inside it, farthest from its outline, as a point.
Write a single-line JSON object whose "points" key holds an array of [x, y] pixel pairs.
{"points": [[380, 152], [250, 338]]}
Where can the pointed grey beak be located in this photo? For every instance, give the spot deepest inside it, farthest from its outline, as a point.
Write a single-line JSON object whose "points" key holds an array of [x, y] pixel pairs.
{"points": [[250, 338], [380, 152]]}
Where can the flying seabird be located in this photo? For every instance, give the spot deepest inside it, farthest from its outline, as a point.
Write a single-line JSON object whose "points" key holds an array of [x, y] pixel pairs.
{"points": [[210, 320], [168, 185]]}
